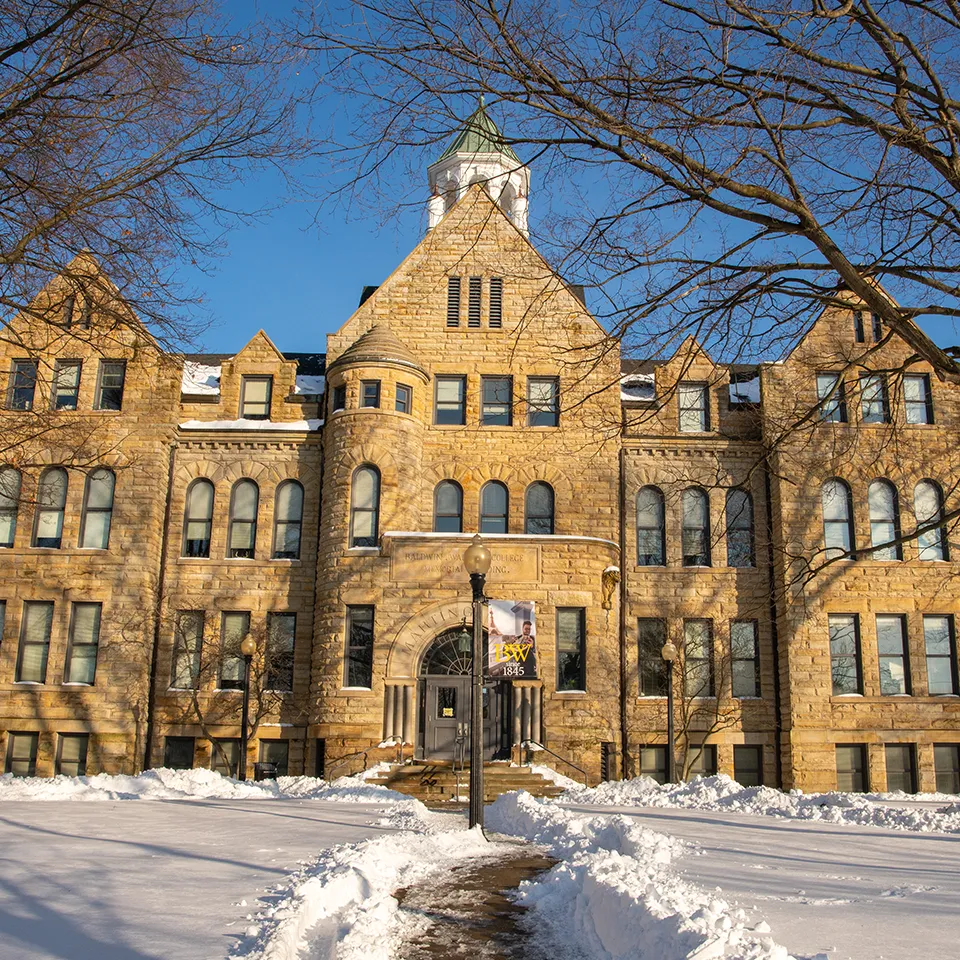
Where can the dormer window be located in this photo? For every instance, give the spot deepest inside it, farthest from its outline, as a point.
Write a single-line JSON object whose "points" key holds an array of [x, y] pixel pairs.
{"points": [[255, 395]]}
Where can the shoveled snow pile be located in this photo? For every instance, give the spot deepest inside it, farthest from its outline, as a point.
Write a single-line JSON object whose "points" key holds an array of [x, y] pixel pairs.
{"points": [[722, 793], [615, 894], [166, 784]]}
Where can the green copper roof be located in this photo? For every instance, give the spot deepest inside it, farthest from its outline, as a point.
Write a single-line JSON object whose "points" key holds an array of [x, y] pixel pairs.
{"points": [[480, 135]]}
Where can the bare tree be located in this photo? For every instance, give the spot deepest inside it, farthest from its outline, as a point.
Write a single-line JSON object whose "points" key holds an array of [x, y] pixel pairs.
{"points": [[120, 122], [743, 160]]}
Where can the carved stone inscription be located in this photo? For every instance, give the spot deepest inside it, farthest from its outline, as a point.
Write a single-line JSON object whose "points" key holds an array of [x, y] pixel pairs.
{"points": [[433, 563]]}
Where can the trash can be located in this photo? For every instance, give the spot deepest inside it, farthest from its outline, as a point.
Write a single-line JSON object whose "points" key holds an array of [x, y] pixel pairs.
{"points": [[264, 771]]}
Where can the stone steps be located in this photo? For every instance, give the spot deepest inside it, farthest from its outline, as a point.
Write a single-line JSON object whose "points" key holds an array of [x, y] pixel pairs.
{"points": [[437, 783]]}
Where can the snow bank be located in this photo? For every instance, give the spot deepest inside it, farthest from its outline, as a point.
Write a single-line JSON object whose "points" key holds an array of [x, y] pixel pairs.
{"points": [[166, 784], [722, 793], [616, 895]]}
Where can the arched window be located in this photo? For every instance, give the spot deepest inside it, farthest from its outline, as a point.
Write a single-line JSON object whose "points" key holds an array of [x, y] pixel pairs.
{"points": [[287, 519], [365, 507], [651, 541], [493, 507], [51, 500], [244, 502], [448, 507], [198, 519], [696, 528], [538, 515], [9, 504], [97, 509], [928, 507], [837, 505], [740, 529], [884, 520]]}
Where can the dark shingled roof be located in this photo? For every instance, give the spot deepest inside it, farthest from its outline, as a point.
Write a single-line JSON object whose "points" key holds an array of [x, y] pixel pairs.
{"points": [[308, 364]]}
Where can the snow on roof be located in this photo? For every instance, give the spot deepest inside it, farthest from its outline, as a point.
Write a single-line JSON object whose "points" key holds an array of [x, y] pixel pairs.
{"points": [[745, 389], [310, 385], [638, 387], [301, 426], [200, 379]]}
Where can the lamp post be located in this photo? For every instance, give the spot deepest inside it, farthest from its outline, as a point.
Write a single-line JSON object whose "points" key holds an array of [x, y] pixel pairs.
{"points": [[669, 653], [476, 560], [248, 647]]}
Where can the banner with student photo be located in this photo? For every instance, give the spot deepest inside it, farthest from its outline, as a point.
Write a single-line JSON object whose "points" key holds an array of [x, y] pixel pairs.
{"points": [[512, 639]]}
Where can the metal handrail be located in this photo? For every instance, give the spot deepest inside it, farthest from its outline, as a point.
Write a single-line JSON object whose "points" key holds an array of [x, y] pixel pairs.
{"points": [[569, 763], [342, 760]]}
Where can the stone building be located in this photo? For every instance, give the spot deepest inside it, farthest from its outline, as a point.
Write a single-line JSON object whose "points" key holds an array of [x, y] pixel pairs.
{"points": [[155, 509]]}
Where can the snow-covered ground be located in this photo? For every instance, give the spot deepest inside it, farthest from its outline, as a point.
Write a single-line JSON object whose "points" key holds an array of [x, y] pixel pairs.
{"points": [[204, 867]]}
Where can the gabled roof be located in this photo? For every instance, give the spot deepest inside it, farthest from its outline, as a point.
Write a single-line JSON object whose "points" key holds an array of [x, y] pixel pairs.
{"points": [[480, 135]]}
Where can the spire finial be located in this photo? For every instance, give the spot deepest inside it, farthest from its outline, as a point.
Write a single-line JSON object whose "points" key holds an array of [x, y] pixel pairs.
{"points": [[482, 102]]}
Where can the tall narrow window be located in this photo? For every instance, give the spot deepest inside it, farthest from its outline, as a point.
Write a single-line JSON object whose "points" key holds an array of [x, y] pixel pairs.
{"points": [[244, 502], [255, 396], [3, 617], [339, 400], [234, 627], [694, 408], [877, 327], [845, 654], [110, 385], [538, 509], [51, 501], [695, 534], [370, 394], [9, 505], [917, 398], [740, 529], [66, 385], [81, 663], [571, 656], [946, 765], [496, 408], [852, 768], [928, 507], [23, 385], [288, 520], [22, 754], [651, 636], [884, 521], [35, 629], [365, 507], [543, 401], [187, 646], [748, 766], [448, 507], [473, 302], [833, 405], [745, 659], [404, 401], [453, 301], [651, 539], [901, 767], [97, 509], [874, 403], [837, 505], [281, 637], [198, 519], [71, 755], [697, 658], [451, 400], [940, 642], [359, 642], [859, 334], [69, 305], [496, 303], [493, 508], [892, 652]]}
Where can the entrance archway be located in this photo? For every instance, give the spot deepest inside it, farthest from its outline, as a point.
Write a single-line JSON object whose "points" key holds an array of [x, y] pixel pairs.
{"points": [[444, 687]]}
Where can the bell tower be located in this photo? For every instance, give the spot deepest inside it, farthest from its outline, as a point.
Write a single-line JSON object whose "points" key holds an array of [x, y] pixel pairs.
{"points": [[479, 154]]}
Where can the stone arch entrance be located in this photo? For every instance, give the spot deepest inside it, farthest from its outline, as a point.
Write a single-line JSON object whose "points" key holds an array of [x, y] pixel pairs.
{"points": [[444, 697]]}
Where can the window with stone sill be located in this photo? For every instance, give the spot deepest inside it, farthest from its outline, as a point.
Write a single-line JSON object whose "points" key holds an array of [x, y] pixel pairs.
{"points": [[255, 397], [66, 385], [71, 758], [35, 630], [244, 505], [84, 643]]}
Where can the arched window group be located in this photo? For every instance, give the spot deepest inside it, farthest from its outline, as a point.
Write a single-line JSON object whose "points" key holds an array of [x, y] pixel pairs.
{"points": [[695, 534], [243, 519], [538, 514], [651, 533], [883, 507], [51, 504]]}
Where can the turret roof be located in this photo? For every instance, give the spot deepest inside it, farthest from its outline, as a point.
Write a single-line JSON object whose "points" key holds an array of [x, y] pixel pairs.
{"points": [[480, 135], [379, 343]]}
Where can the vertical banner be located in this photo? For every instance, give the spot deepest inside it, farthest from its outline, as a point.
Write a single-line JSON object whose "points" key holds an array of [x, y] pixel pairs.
{"points": [[512, 639]]}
